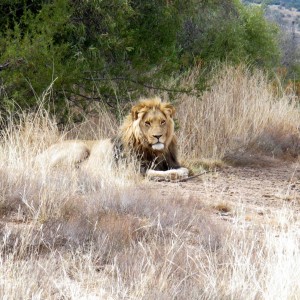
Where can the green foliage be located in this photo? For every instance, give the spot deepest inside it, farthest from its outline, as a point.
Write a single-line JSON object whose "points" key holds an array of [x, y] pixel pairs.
{"points": [[235, 33], [35, 56], [112, 50]]}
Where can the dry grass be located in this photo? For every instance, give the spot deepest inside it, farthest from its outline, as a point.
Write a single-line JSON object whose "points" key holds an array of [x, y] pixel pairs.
{"points": [[252, 266], [68, 234], [239, 113], [97, 124]]}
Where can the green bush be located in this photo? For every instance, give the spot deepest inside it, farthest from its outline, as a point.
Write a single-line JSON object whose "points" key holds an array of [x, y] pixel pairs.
{"points": [[115, 50], [233, 32]]}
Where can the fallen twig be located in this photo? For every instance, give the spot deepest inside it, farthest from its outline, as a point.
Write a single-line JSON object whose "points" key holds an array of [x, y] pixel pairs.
{"points": [[192, 177]]}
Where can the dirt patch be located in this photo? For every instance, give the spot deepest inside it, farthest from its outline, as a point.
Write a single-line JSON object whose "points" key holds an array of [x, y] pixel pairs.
{"points": [[257, 194]]}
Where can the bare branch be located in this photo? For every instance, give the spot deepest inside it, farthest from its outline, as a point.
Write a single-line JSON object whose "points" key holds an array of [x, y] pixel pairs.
{"points": [[190, 91], [4, 66]]}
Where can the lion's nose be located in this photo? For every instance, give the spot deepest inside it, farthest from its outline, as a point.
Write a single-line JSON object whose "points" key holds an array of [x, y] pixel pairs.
{"points": [[157, 136]]}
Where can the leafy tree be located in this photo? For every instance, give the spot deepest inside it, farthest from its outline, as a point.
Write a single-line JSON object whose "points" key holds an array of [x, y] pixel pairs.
{"points": [[112, 50], [229, 30]]}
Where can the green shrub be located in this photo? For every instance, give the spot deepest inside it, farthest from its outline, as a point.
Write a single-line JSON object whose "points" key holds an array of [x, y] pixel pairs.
{"points": [[234, 32], [115, 50]]}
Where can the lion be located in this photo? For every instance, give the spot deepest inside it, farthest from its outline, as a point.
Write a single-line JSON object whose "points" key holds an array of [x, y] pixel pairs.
{"points": [[147, 135]]}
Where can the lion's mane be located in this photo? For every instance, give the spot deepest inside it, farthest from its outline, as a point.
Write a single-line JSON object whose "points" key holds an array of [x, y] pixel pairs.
{"points": [[132, 141]]}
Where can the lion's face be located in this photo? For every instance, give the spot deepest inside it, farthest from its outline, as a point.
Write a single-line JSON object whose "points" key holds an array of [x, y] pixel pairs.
{"points": [[155, 129], [153, 124]]}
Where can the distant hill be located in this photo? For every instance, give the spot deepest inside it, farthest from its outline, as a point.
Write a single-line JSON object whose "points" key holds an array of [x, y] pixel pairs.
{"points": [[284, 12], [284, 3]]}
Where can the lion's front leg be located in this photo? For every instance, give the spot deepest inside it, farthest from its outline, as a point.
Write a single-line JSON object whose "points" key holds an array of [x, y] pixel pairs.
{"points": [[169, 175]]}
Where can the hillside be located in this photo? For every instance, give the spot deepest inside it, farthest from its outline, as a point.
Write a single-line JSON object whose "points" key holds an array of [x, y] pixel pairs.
{"points": [[287, 18], [284, 3], [285, 13]]}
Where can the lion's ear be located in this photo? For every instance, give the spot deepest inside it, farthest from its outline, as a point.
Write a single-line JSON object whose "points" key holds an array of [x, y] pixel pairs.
{"points": [[169, 110], [135, 111]]}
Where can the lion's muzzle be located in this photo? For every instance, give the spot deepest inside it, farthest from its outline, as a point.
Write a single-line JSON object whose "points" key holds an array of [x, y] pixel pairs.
{"points": [[158, 146]]}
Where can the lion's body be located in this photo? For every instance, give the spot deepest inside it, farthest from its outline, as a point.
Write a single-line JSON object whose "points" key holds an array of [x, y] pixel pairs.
{"points": [[77, 152], [147, 135]]}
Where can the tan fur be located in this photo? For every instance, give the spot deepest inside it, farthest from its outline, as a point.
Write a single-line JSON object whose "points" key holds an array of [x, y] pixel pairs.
{"points": [[147, 133], [135, 138]]}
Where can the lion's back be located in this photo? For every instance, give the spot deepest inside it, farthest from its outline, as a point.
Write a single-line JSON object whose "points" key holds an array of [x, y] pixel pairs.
{"points": [[74, 152], [101, 155]]}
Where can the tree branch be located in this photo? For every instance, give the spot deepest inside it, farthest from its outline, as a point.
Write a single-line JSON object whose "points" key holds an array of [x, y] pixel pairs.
{"points": [[4, 66], [142, 84]]}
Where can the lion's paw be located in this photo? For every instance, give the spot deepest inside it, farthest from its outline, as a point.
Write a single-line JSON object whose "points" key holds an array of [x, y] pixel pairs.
{"points": [[169, 175]]}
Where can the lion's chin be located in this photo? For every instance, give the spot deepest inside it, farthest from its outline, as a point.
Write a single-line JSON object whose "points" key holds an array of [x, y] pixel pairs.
{"points": [[158, 146]]}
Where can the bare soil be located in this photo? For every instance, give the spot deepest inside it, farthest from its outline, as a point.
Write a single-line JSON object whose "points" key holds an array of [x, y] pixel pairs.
{"points": [[260, 195]]}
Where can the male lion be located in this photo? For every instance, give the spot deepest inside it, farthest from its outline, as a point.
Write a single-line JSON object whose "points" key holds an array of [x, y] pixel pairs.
{"points": [[147, 134]]}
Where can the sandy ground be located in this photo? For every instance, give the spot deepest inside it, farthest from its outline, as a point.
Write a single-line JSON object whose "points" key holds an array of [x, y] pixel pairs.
{"points": [[259, 195]]}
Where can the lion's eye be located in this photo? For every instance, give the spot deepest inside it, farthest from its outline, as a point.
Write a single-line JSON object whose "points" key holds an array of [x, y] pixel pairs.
{"points": [[163, 122], [147, 123]]}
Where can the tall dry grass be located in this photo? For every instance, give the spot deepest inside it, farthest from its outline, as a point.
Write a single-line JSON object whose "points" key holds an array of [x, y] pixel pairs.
{"points": [[240, 111], [68, 234]]}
